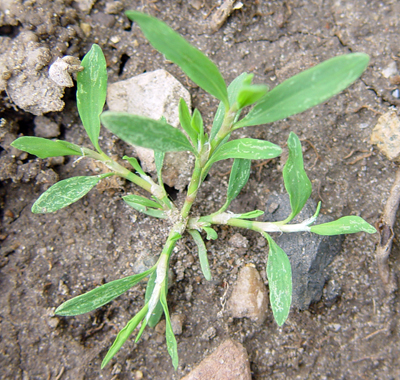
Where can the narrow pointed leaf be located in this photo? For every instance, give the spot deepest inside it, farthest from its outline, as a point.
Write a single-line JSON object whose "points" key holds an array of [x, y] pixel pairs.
{"points": [[158, 310], [250, 214], [345, 225], [307, 89], [91, 93], [144, 205], [123, 335], [240, 174], [202, 251], [44, 148], [141, 201], [249, 95], [198, 67], [64, 193], [197, 122], [250, 149], [295, 178], [169, 334], [233, 91], [279, 274], [186, 121], [142, 328], [146, 132], [100, 295], [159, 162], [135, 164]]}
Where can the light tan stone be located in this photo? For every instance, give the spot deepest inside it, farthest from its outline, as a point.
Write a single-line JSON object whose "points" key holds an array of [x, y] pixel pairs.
{"points": [[249, 296], [386, 135], [228, 362]]}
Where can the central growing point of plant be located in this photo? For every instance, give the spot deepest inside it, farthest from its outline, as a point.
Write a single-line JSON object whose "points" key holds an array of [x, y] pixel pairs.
{"points": [[293, 96]]}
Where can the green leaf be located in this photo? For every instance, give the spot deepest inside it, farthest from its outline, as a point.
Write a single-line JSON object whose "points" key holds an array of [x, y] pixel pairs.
{"points": [[345, 225], [295, 178], [249, 95], [240, 174], [141, 201], [250, 149], [169, 334], [135, 164], [146, 132], [279, 274], [186, 121], [100, 295], [64, 193], [92, 91], [250, 214], [211, 234], [200, 69], [197, 122], [307, 89], [158, 310], [202, 251], [44, 148], [144, 205], [123, 335], [233, 91], [159, 162]]}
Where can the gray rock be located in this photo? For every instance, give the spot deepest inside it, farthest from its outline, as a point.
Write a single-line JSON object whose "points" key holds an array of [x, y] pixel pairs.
{"points": [[309, 254], [229, 361], [154, 94], [23, 75], [177, 320], [46, 128], [249, 296]]}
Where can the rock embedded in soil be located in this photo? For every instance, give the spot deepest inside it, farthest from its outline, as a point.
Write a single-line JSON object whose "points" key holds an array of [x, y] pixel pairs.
{"points": [[229, 361], [309, 254], [154, 94], [249, 296], [386, 135], [23, 74], [46, 128]]}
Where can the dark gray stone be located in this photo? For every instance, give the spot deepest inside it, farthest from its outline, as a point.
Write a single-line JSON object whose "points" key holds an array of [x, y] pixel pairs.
{"points": [[309, 254]]}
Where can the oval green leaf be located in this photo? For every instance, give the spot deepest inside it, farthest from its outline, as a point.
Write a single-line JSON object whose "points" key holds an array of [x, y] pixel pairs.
{"points": [[279, 274], [307, 89], [44, 148], [250, 149], [240, 174], [295, 178], [64, 193], [198, 67], [124, 334], [146, 132], [345, 225], [92, 91], [100, 295], [202, 251]]}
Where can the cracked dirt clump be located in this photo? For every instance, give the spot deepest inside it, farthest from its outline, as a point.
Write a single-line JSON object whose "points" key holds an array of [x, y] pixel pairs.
{"points": [[23, 75]]}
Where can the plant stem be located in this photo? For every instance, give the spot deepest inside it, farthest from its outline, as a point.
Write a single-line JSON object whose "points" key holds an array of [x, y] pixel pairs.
{"points": [[145, 183], [233, 220]]}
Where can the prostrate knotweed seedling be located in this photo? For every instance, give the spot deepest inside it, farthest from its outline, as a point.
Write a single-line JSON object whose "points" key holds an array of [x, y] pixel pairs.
{"points": [[294, 95]]}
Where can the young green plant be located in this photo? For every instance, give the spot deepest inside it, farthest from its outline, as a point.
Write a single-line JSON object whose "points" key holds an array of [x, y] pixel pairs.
{"points": [[293, 96]]}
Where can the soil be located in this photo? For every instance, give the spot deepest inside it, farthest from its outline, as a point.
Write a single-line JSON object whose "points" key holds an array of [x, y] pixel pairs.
{"points": [[47, 259]]}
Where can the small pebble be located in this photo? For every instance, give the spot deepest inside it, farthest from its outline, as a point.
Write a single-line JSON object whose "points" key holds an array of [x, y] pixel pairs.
{"points": [[396, 93]]}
